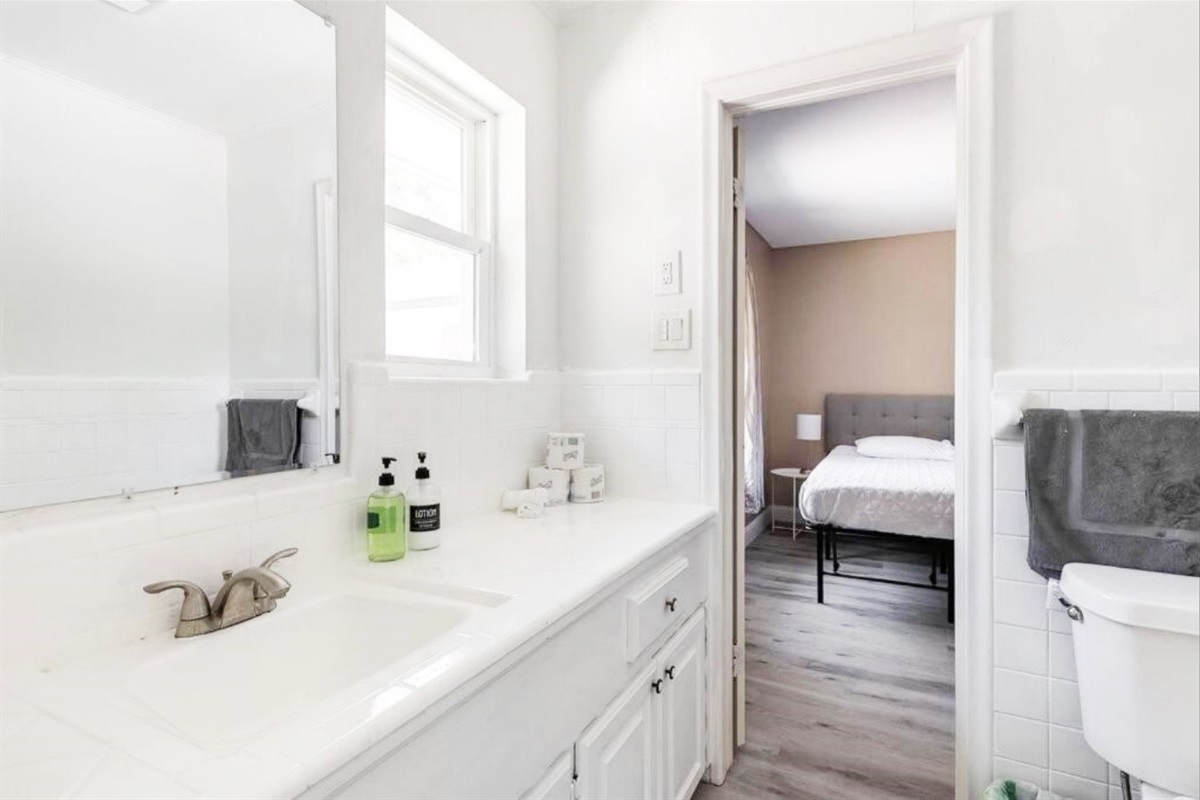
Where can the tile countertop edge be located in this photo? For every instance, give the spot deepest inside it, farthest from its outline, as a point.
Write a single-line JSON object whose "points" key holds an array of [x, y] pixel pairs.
{"points": [[408, 720]]}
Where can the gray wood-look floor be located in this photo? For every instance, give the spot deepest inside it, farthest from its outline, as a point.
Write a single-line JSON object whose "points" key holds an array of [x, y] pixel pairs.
{"points": [[852, 700]]}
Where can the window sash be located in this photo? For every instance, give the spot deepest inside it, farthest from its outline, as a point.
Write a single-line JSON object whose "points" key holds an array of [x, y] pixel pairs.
{"points": [[482, 252], [475, 151], [478, 125]]}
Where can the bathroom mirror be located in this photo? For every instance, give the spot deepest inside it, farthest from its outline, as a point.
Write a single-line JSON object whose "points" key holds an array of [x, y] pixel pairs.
{"points": [[168, 275]]}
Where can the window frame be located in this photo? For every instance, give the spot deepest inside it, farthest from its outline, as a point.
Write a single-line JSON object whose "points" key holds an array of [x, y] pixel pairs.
{"points": [[477, 238]]}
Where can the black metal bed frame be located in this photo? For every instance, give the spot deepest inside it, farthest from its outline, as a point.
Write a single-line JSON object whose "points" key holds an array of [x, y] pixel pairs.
{"points": [[941, 551]]}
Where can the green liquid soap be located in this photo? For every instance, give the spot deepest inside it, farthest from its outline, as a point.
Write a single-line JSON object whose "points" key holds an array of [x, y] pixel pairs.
{"points": [[387, 537]]}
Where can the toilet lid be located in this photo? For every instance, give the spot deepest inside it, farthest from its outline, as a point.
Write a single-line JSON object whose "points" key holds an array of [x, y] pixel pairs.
{"points": [[1135, 597]]}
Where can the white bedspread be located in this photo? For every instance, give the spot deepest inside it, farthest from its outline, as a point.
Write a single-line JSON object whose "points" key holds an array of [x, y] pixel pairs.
{"points": [[892, 495]]}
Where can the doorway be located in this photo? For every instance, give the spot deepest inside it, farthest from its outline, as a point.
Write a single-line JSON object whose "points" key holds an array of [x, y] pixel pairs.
{"points": [[963, 52]]}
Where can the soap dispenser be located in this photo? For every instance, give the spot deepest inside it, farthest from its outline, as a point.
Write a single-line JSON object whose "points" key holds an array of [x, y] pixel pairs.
{"points": [[386, 540], [424, 510]]}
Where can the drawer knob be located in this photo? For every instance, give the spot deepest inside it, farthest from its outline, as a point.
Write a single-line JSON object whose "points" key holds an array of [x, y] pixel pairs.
{"points": [[657, 686], [670, 672], [671, 603]]}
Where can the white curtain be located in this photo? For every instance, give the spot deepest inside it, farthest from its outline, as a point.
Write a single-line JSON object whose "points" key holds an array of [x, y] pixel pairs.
{"points": [[752, 436]]}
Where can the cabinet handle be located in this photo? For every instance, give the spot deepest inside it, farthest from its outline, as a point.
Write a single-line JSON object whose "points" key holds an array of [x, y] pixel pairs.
{"points": [[671, 603], [657, 686], [670, 672]]}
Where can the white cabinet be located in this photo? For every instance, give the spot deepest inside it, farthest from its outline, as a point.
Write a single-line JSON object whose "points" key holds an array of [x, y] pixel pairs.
{"points": [[649, 744], [683, 694], [558, 783], [617, 756], [610, 703]]}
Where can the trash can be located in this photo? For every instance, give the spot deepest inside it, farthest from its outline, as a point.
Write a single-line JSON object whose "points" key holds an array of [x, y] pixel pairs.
{"points": [[1017, 790]]}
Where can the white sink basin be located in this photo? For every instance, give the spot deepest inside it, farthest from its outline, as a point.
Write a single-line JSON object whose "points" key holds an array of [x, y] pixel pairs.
{"points": [[234, 683]]}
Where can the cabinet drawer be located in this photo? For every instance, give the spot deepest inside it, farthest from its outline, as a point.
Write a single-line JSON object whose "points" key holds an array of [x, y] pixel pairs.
{"points": [[659, 603]]}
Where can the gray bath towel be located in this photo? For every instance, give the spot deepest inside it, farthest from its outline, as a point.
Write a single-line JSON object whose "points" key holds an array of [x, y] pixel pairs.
{"points": [[263, 436], [1120, 488]]}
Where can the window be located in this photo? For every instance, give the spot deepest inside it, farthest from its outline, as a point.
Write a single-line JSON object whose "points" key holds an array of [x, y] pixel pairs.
{"points": [[438, 244]]}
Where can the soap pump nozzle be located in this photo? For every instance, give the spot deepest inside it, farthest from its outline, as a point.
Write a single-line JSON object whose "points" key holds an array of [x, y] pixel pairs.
{"points": [[386, 478]]}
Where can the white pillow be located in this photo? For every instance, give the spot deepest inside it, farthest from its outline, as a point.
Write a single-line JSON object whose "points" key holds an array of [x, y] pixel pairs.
{"points": [[905, 447]]}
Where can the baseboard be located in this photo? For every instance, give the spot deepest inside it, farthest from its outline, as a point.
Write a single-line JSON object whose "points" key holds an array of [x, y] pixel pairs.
{"points": [[756, 526]]}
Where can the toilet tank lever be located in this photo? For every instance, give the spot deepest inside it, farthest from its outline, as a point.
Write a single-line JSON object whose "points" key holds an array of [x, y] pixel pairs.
{"points": [[1073, 611]]}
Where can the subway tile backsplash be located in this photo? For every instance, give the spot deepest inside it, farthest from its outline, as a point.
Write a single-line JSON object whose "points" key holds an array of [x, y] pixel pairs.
{"points": [[644, 426], [61, 439], [481, 436], [1034, 659]]}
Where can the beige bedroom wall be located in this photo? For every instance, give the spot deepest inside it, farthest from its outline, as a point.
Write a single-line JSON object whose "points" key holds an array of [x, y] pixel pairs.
{"points": [[872, 316]]}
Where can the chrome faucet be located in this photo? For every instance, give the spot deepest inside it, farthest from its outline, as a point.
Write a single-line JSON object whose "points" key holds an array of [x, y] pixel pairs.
{"points": [[245, 595]]}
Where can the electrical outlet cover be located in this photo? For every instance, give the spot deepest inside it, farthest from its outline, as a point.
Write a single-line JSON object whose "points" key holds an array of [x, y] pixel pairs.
{"points": [[668, 276]]}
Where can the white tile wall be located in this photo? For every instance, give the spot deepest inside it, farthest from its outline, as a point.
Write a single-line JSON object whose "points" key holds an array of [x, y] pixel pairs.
{"points": [[480, 436], [1037, 724], [644, 426], [62, 439]]}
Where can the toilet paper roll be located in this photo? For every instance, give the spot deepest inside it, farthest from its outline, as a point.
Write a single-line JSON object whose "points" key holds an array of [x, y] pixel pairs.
{"points": [[565, 450], [587, 484], [556, 482]]}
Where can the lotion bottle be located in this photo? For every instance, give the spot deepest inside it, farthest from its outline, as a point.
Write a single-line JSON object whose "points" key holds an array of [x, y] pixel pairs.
{"points": [[424, 510], [386, 540]]}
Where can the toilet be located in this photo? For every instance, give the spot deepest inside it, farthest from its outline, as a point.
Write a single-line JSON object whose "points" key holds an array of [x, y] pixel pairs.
{"points": [[1137, 655]]}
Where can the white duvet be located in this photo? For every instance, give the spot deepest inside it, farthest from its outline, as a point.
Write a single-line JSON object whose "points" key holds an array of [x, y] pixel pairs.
{"points": [[892, 495]]}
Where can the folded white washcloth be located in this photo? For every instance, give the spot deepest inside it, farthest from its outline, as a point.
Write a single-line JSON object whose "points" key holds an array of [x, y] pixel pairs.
{"points": [[530, 509], [512, 499]]}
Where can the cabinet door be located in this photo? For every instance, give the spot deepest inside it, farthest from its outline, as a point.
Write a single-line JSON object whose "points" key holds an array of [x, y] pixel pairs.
{"points": [[555, 784], [682, 666], [617, 757]]}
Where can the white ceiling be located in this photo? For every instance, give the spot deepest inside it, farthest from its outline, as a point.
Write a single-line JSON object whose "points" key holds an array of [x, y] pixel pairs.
{"points": [[562, 12], [226, 67], [863, 167]]}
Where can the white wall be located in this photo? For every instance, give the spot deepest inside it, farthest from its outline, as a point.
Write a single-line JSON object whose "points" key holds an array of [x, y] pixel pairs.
{"points": [[273, 308], [113, 244], [1096, 175], [1096, 257]]}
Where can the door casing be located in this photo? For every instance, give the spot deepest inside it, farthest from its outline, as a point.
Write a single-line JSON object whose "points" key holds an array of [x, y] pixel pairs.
{"points": [[964, 51]]}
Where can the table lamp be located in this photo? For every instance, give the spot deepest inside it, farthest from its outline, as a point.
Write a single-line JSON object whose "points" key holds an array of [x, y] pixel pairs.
{"points": [[808, 429]]}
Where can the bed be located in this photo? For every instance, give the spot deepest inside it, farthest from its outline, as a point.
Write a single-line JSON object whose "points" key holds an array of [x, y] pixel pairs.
{"points": [[849, 495]]}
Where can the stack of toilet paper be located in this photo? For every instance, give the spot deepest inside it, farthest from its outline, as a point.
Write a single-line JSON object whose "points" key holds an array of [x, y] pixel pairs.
{"points": [[566, 476]]}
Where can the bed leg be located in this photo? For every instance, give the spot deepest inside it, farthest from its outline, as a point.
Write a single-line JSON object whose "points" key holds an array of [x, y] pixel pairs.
{"points": [[949, 556], [935, 553], [821, 542], [833, 544]]}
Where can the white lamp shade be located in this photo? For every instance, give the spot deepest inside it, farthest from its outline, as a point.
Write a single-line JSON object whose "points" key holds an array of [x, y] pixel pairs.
{"points": [[808, 427]]}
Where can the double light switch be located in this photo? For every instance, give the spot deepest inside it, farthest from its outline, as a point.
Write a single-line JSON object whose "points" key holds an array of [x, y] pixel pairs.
{"points": [[673, 329]]}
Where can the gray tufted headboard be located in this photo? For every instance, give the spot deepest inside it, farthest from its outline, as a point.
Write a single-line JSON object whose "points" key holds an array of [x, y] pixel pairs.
{"points": [[853, 416]]}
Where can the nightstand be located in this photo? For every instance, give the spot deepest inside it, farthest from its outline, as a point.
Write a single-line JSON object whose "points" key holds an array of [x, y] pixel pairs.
{"points": [[797, 476]]}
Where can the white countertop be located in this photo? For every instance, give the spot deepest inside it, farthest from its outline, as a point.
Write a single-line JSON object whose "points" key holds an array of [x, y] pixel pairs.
{"points": [[67, 733]]}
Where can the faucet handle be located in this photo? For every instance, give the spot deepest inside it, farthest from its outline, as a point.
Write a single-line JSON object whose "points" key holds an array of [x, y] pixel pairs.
{"points": [[195, 601], [271, 559]]}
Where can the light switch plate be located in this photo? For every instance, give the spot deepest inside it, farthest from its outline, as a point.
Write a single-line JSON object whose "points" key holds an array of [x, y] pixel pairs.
{"points": [[673, 329], [668, 278]]}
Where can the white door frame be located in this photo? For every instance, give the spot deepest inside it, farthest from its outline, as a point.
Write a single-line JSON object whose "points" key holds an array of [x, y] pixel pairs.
{"points": [[965, 51]]}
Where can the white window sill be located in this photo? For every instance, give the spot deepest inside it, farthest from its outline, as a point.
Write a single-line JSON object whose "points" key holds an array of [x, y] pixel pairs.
{"points": [[382, 372]]}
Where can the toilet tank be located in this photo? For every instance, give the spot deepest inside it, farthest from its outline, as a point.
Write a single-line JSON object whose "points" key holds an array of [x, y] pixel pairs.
{"points": [[1137, 655]]}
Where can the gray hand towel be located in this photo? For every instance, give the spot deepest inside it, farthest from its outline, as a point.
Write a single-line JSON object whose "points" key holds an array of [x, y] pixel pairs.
{"points": [[1120, 488], [263, 436]]}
